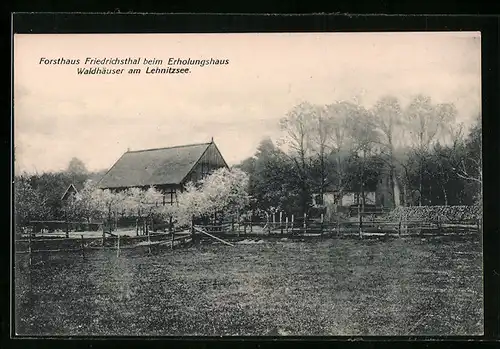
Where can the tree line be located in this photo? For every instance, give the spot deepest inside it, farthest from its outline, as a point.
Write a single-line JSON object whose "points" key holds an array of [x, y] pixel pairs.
{"points": [[39, 197], [425, 156], [423, 153]]}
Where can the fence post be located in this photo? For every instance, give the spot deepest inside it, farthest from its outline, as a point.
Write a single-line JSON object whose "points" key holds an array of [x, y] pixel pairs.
{"points": [[29, 249], [286, 224], [322, 222], [103, 234], [399, 226], [274, 221], [479, 225], [172, 242], [268, 224], [251, 222], [238, 226], [193, 237], [291, 226], [67, 228], [281, 221], [360, 215], [149, 243], [305, 223], [338, 223], [232, 224], [83, 247], [137, 227], [117, 245]]}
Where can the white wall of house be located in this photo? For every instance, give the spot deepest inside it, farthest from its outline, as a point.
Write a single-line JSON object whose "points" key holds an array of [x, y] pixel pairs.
{"points": [[348, 198], [329, 198]]}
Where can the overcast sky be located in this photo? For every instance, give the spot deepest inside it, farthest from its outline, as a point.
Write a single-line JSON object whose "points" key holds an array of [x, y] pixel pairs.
{"points": [[59, 114]]}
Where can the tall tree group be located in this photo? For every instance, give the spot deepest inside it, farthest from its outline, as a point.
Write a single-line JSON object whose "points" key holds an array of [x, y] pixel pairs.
{"points": [[420, 150]]}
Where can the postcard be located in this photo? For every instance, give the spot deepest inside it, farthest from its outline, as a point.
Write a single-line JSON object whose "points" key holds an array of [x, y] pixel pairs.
{"points": [[250, 184]]}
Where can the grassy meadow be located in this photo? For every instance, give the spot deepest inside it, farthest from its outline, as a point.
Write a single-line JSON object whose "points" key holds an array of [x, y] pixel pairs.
{"points": [[272, 287]]}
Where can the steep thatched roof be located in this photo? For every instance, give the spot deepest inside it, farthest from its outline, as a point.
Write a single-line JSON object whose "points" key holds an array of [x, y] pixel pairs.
{"points": [[153, 166]]}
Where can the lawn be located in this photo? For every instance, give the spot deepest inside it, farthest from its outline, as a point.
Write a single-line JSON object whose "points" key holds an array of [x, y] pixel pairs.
{"points": [[406, 286]]}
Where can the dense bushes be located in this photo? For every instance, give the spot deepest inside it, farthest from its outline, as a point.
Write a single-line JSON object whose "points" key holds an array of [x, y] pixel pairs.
{"points": [[437, 213]]}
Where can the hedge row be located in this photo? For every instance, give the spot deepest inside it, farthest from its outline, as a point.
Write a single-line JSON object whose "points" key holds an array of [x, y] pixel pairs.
{"points": [[437, 213]]}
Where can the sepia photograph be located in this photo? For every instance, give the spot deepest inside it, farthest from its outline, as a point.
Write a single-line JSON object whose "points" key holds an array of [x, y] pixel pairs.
{"points": [[256, 184]]}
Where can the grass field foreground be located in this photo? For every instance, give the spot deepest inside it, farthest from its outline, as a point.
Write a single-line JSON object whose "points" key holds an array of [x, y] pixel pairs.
{"points": [[406, 286]]}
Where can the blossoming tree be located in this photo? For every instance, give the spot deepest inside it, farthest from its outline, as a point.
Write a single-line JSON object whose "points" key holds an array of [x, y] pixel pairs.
{"points": [[224, 191], [142, 204]]}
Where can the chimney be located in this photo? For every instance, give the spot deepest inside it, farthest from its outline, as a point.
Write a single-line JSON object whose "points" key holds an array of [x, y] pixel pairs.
{"points": [[128, 149], [212, 140]]}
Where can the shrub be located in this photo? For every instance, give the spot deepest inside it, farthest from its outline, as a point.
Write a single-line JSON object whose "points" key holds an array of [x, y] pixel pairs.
{"points": [[435, 213]]}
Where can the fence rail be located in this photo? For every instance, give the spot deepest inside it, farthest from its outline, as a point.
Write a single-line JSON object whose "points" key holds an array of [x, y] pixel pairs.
{"points": [[33, 246], [361, 226], [279, 224], [141, 226]]}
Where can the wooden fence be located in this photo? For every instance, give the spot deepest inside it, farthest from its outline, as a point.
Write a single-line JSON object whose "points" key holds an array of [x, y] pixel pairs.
{"points": [[363, 225], [35, 227], [280, 225], [33, 246], [141, 226]]}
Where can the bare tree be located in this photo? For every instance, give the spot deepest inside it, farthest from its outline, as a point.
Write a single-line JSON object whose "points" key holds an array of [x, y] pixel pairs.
{"points": [[446, 157], [425, 123], [340, 114], [326, 139], [470, 167], [455, 134], [317, 135], [297, 125], [387, 115], [364, 135]]}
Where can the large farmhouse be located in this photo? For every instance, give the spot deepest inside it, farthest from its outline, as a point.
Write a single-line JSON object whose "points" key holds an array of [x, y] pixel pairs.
{"points": [[167, 169]]}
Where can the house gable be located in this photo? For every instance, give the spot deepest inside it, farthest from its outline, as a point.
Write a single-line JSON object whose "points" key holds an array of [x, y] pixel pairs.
{"points": [[210, 160], [70, 190]]}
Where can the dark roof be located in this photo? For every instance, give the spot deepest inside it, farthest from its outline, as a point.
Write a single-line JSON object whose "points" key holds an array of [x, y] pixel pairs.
{"points": [[153, 166]]}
